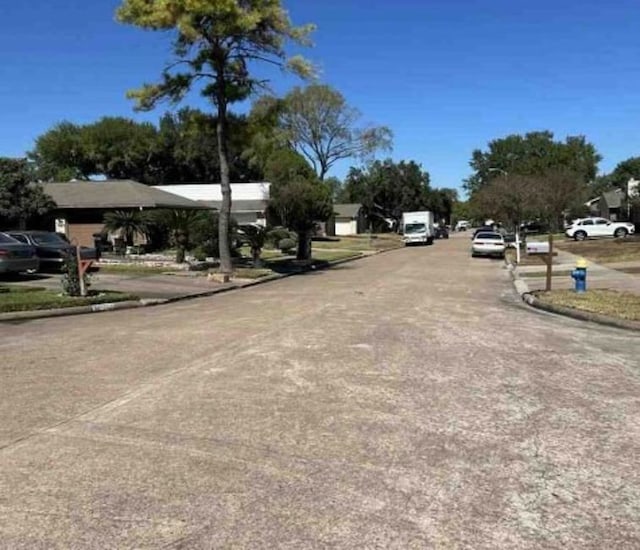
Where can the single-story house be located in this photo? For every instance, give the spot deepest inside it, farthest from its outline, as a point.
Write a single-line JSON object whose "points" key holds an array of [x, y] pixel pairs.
{"points": [[249, 201], [348, 219], [608, 205], [613, 206], [81, 205]]}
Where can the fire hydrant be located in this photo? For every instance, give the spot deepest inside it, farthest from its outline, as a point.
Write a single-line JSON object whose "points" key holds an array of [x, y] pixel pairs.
{"points": [[579, 275]]}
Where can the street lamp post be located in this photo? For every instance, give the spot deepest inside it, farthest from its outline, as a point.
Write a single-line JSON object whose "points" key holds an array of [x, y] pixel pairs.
{"points": [[517, 243]]}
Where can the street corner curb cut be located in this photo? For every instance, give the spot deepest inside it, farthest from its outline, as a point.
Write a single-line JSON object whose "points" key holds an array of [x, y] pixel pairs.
{"points": [[522, 288], [532, 300]]}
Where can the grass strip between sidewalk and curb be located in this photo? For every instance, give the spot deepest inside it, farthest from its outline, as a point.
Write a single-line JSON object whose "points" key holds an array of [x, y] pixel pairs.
{"points": [[612, 303], [604, 307], [35, 298]]}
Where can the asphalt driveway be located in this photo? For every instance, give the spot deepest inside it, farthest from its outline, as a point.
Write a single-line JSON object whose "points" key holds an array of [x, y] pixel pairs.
{"points": [[407, 400]]}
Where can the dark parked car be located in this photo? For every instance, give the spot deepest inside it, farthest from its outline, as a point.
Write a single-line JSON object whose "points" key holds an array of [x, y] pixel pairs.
{"points": [[51, 248], [533, 227], [15, 256], [442, 232]]}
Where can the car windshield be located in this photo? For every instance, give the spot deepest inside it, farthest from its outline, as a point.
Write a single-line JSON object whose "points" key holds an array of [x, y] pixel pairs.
{"points": [[414, 228], [48, 238], [5, 239], [489, 236]]}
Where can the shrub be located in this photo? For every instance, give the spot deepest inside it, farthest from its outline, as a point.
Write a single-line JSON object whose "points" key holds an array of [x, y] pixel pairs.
{"points": [[286, 245], [70, 277], [200, 254], [275, 235]]}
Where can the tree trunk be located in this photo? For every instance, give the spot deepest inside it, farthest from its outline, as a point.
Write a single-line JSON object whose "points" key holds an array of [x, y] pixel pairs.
{"points": [[304, 245], [323, 171], [225, 185], [257, 262], [180, 255]]}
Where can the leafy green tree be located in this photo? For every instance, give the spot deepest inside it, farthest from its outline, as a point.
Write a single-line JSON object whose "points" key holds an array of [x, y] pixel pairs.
{"points": [[186, 140], [114, 147], [128, 223], [462, 210], [386, 189], [624, 171], [298, 199], [20, 200], [204, 235], [336, 186], [318, 123], [60, 154], [600, 184], [120, 148], [534, 154], [180, 225], [217, 42], [265, 137], [256, 237]]}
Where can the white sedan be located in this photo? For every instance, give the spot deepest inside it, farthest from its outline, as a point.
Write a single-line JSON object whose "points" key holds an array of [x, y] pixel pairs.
{"points": [[585, 228], [487, 243]]}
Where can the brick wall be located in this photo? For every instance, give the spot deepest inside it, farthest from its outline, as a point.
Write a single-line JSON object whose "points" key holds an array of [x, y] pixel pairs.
{"points": [[82, 233]]}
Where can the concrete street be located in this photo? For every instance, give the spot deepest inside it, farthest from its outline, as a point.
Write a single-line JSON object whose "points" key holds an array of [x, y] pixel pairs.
{"points": [[407, 400]]}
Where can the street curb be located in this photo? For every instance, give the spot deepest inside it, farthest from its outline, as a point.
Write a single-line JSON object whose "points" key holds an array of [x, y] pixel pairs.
{"points": [[78, 310], [147, 302], [533, 301]]}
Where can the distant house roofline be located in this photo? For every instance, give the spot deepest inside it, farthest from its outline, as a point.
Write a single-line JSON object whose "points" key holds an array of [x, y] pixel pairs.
{"points": [[113, 194]]}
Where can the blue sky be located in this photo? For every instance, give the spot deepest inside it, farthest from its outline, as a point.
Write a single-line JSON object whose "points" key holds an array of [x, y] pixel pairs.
{"points": [[446, 75]]}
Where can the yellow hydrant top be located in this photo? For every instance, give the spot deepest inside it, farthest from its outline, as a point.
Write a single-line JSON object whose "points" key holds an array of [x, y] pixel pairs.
{"points": [[581, 263]]}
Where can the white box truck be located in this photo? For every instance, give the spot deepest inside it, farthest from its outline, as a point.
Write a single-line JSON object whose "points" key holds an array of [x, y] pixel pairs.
{"points": [[418, 228]]}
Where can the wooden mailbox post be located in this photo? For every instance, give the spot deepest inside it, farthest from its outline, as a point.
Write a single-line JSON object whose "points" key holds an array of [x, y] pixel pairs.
{"points": [[544, 251]]}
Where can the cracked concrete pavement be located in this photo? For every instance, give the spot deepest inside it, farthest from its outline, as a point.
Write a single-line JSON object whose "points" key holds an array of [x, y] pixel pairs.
{"points": [[407, 400]]}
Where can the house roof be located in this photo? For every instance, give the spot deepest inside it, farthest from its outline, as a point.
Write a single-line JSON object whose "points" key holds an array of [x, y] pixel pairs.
{"points": [[350, 210], [113, 194], [613, 198], [238, 206], [249, 191]]}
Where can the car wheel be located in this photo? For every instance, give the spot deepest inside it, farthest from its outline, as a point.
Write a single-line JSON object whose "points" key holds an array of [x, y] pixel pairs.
{"points": [[580, 236], [620, 233]]}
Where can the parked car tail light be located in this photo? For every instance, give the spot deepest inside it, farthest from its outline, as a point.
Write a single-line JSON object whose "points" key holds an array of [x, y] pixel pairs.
{"points": [[4, 253]]}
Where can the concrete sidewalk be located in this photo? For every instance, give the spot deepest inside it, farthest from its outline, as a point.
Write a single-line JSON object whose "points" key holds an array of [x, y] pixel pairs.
{"points": [[598, 276]]}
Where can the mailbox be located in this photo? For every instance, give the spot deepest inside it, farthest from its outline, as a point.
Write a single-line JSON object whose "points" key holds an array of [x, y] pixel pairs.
{"points": [[538, 248]]}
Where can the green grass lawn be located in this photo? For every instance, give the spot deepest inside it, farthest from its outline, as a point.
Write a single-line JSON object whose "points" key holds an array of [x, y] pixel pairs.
{"points": [[604, 251], [267, 253], [623, 305], [35, 298], [333, 255]]}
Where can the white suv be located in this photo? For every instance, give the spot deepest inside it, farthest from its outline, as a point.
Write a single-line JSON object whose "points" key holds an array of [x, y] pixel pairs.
{"points": [[585, 228]]}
